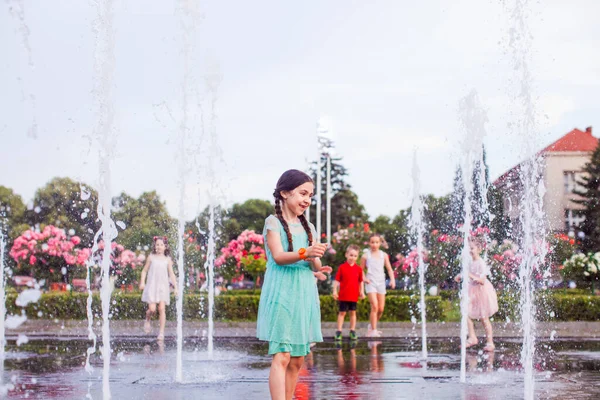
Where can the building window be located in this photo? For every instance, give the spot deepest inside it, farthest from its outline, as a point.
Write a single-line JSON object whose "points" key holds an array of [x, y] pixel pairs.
{"points": [[570, 179], [573, 218]]}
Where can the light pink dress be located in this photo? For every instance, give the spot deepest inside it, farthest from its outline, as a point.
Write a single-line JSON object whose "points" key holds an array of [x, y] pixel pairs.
{"points": [[483, 301], [157, 282]]}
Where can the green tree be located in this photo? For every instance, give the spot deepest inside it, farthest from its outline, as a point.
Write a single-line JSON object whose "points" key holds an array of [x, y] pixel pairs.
{"points": [[143, 218], [395, 231], [67, 204], [500, 225], [346, 210], [437, 213], [590, 200], [12, 214], [250, 215], [493, 216]]}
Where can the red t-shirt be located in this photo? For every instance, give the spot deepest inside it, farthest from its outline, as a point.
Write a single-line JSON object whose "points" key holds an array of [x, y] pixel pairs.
{"points": [[350, 278]]}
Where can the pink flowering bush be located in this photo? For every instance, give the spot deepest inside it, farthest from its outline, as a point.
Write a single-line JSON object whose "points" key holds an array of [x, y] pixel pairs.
{"points": [[504, 260], [194, 259], [353, 234], [49, 255], [442, 256], [243, 256], [123, 263], [410, 263]]}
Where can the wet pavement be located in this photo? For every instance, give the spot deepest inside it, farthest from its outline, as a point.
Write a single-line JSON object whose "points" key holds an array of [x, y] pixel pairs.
{"points": [[142, 368], [134, 328]]}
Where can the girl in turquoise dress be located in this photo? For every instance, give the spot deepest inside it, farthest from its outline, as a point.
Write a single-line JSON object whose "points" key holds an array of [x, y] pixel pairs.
{"points": [[289, 315]]}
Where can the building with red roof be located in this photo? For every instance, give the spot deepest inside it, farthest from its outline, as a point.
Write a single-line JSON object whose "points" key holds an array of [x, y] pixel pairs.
{"points": [[563, 163]]}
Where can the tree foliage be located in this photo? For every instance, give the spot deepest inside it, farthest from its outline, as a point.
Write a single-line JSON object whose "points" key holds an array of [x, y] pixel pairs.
{"points": [[590, 200], [68, 205], [143, 218]]}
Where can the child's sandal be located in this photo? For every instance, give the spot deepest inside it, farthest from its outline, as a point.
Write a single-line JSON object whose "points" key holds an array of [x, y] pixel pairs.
{"points": [[489, 347]]}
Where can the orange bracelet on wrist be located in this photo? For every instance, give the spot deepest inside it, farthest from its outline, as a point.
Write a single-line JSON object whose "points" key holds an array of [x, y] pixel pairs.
{"points": [[302, 253]]}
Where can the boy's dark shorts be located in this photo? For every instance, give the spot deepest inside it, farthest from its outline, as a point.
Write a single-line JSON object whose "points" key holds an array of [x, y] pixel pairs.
{"points": [[347, 306]]}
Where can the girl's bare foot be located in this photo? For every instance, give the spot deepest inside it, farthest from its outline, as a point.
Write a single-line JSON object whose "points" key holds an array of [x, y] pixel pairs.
{"points": [[160, 337], [489, 347]]}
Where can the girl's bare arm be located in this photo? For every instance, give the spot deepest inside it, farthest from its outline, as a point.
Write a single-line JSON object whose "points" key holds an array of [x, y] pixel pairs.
{"points": [[290, 257], [390, 271], [144, 273], [172, 275]]}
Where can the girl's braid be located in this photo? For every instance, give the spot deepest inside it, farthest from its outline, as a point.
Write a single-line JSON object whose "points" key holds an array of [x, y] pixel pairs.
{"points": [[286, 228], [304, 222]]}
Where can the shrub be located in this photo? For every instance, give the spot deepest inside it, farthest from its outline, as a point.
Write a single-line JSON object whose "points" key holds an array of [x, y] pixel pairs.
{"points": [[244, 307]]}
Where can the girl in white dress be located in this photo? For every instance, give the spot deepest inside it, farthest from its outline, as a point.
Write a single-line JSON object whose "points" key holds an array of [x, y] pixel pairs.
{"points": [[159, 270], [375, 261]]}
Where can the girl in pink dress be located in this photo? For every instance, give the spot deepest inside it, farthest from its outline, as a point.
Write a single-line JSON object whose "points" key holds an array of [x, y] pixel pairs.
{"points": [[483, 302], [156, 290]]}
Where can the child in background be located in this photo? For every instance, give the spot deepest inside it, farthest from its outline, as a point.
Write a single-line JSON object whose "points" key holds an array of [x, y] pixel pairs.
{"points": [[347, 287], [483, 301], [289, 317], [374, 261], [159, 269]]}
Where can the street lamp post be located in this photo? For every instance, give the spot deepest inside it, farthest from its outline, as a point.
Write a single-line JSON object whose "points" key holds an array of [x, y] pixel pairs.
{"points": [[324, 143], [328, 222]]}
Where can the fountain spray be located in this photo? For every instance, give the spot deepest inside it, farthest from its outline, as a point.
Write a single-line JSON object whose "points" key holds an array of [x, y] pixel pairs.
{"points": [[418, 229]]}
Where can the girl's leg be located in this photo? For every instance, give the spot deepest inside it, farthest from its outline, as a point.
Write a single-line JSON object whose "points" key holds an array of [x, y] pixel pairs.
{"points": [[352, 320], [277, 375], [472, 337], [381, 305], [489, 335], [291, 376], [374, 310], [150, 312], [340, 320], [162, 317]]}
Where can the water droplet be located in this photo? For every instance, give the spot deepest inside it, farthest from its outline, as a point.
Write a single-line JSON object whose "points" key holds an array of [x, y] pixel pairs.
{"points": [[85, 193]]}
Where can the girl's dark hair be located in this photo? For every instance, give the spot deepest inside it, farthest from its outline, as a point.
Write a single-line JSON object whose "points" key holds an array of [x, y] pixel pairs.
{"points": [[289, 181], [372, 235], [165, 241]]}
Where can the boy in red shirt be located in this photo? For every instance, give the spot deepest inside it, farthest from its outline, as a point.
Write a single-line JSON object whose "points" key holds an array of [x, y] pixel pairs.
{"points": [[349, 280]]}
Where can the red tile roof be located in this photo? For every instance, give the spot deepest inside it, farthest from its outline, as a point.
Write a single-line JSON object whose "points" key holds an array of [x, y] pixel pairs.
{"points": [[575, 140]]}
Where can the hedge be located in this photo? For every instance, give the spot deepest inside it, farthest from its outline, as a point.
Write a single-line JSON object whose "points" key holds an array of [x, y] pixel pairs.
{"points": [[72, 305], [244, 307]]}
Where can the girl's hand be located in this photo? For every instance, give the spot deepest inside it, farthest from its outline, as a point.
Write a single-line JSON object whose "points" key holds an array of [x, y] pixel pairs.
{"points": [[362, 295], [368, 281], [320, 276], [316, 251], [457, 278], [326, 269], [392, 283], [335, 296], [142, 286]]}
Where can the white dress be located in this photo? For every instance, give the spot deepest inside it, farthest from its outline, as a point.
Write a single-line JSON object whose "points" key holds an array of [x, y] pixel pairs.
{"points": [[375, 273], [157, 282]]}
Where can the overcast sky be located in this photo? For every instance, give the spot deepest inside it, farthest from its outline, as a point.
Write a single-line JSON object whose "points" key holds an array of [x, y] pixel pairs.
{"points": [[388, 73]]}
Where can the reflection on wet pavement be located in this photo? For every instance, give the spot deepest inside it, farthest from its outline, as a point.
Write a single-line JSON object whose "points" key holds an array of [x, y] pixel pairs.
{"points": [[386, 368]]}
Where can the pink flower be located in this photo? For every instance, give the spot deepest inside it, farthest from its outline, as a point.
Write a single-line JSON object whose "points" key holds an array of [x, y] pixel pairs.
{"points": [[75, 240], [32, 260]]}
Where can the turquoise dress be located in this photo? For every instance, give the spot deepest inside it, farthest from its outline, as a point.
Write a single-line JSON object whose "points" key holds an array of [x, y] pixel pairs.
{"points": [[289, 314]]}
